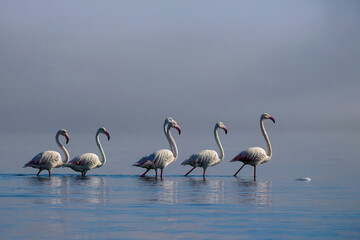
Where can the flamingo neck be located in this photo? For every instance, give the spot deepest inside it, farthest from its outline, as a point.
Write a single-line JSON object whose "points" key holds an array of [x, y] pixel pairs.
{"points": [[269, 154], [171, 142], [217, 140], [165, 128], [66, 153], [103, 157]]}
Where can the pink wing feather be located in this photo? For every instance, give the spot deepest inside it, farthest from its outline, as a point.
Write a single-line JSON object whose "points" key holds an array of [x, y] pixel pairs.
{"points": [[252, 156]]}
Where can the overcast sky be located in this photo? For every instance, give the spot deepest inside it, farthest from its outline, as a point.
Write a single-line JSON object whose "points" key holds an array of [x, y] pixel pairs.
{"points": [[127, 65]]}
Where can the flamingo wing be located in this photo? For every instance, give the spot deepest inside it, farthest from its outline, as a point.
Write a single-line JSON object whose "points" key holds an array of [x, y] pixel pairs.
{"points": [[45, 159], [252, 156], [158, 159], [85, 161], [162, 158], [146, 162], [203, 158]]}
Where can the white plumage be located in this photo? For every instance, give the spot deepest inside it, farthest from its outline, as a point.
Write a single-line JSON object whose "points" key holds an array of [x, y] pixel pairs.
{"points": [[207, 158], [253, 156], [256, 155], [48, 160], [88, 161], [85, 162], [161, 158]]}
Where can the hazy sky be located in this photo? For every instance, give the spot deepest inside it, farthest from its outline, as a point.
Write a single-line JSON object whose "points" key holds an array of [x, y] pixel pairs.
{"points": [[127, 65]]}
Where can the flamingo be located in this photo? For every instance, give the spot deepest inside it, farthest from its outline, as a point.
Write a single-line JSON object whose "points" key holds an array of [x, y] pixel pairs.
{"points": [[207, 158], [161, 158], [256, 155], [50, 159], [88, 161]]}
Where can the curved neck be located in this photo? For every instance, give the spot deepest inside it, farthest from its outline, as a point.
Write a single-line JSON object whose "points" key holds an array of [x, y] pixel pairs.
{"points": [[217, 140], [266, 137], [171, 142], [67, 156], [165, 128], [103, 157]]}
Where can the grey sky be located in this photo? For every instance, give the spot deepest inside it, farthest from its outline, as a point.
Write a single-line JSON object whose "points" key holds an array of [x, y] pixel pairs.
{"points": [[124, 64]]}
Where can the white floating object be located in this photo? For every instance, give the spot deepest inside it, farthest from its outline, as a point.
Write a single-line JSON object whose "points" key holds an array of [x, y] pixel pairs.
{"points": [[306, 179]]}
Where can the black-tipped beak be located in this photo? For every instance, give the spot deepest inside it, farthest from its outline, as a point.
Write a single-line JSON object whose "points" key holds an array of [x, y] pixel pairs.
{"points": [[225, 130], [108, 135], [272, 119], [67, 137], [178, 128]]}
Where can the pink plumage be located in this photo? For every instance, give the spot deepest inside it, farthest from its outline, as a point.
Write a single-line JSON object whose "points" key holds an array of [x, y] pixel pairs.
{"points": [[252, 156]]}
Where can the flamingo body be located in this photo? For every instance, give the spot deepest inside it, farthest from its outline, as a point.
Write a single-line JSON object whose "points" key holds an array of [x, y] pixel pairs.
{"points": [[85, 162], [207, 158], [163, 157], [157, 160], [88, 161], [204, 159], [48, 160], [45, 161], [252, 156]]}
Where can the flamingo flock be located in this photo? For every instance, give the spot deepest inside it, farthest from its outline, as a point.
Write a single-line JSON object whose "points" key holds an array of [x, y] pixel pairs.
{"points": [[160, 159]]}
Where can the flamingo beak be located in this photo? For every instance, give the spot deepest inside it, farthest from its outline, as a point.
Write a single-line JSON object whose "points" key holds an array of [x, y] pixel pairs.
{"points": [[108, 135], [225, 129], [67, 137], [272, 119], [178, 128]]}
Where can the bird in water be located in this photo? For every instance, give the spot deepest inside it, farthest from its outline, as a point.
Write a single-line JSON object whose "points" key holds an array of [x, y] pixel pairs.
{"points": [[256, 155], [88, 161], [161, 158], [207, 158], [51, 159]]}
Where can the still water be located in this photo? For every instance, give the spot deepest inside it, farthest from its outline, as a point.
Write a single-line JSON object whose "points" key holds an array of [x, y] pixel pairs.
{"points": [[113, 202]]}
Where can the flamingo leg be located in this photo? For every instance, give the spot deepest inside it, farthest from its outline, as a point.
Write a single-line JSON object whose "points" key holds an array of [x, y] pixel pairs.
{"points": [[204, 174], [239, 170], [39, 172], [254, 173], [189, 171], [49, 173], [143, 175], [161, 173], [156, 173]]}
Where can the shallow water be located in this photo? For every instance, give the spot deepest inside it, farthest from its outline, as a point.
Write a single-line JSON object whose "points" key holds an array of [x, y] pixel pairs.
{"points": [[120, 206], [113, 202]]}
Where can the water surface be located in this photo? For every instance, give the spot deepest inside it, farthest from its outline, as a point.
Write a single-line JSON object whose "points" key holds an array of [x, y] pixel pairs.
{"points": [[113, 202]]}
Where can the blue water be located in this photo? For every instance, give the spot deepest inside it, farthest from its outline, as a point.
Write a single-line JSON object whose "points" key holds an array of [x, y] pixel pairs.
{"points": [[113, 202]]}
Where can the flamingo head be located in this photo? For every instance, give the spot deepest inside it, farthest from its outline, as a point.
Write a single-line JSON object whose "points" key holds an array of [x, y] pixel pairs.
{"points": [[222, 126], [267, 116], [173, 124], [103, 130], [65, 134], [168, 120]]}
